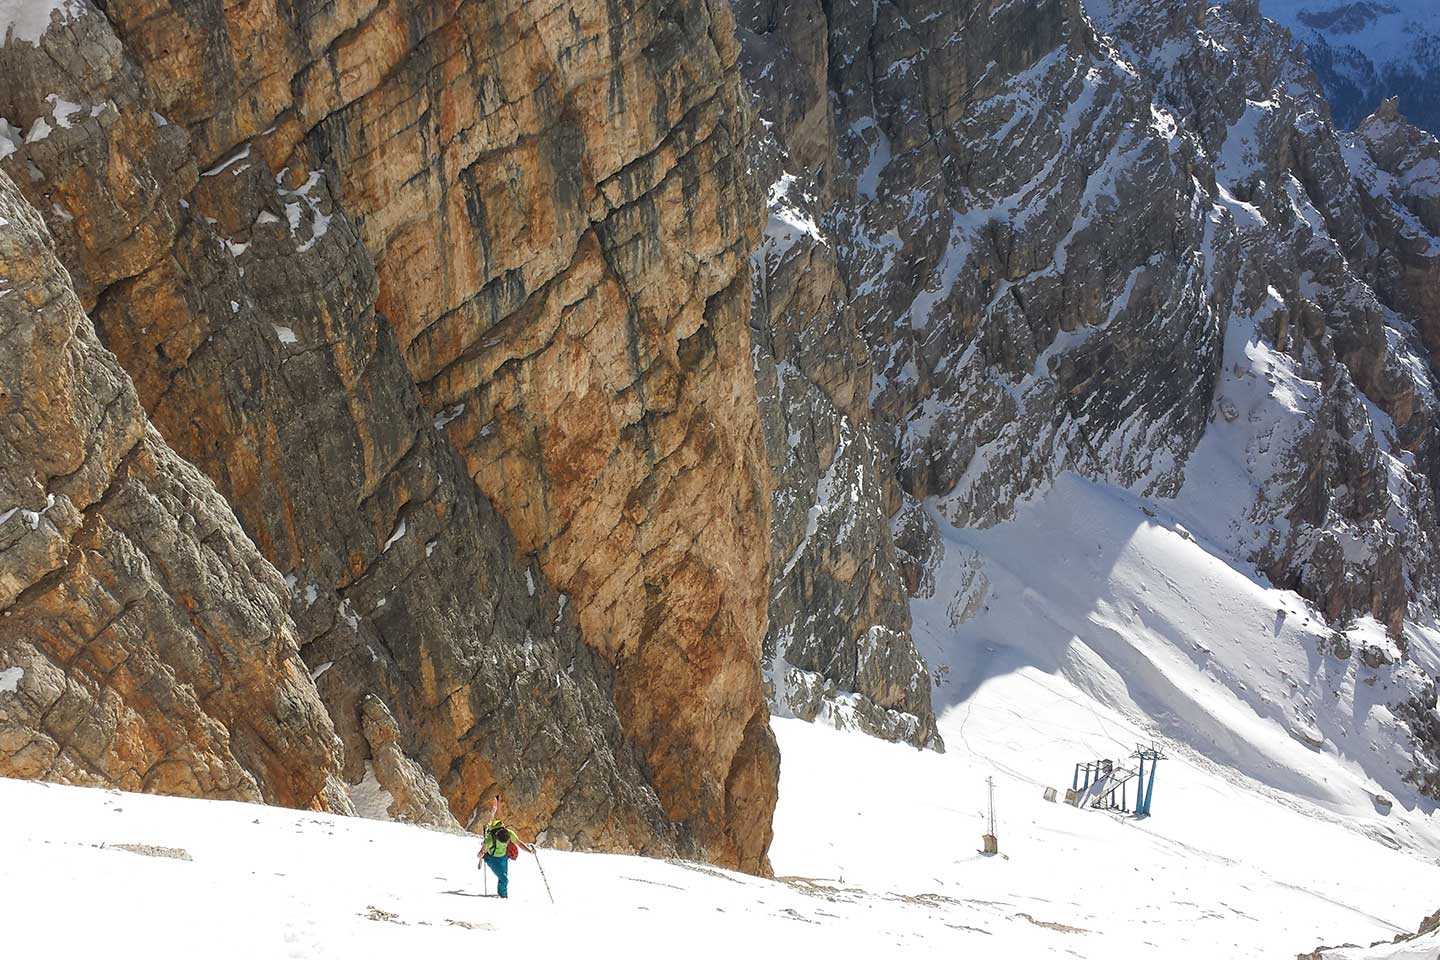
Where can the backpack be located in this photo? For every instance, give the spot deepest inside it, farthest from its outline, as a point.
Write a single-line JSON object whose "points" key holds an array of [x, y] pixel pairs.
{"points": [[500, 834]]}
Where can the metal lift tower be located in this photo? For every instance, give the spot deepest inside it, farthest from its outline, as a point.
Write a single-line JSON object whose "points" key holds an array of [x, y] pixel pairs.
{"points": [[1104, 784]]}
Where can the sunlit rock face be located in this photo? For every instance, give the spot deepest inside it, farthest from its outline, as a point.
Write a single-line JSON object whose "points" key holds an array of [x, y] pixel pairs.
{"points": [[451, 302], [144, 642]]}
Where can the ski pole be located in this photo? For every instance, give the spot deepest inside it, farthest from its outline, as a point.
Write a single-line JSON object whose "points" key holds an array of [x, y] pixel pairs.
{"points": [[534, 854]]}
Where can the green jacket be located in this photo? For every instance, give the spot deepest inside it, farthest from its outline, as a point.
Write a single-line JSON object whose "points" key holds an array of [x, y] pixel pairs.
{"points": [[493, 847]]}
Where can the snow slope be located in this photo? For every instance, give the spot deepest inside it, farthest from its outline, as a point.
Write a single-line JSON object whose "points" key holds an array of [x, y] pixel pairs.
{"points": [[1140, 614], [1144, 605], [875, 846], [1090, 622], [1423, 948], [1218, 870], [243, 881]]}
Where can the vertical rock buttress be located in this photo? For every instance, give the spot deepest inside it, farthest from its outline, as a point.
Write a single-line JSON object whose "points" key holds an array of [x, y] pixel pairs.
{"points": [[575, 290]]}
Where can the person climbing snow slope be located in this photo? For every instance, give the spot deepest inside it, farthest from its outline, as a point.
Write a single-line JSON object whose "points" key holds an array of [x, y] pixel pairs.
{"points": [[500, 845]]}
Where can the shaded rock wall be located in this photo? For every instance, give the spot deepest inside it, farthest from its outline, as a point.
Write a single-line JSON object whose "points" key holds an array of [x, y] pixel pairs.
{"points": [[1012, 258], [144, 641], [839, 647]]}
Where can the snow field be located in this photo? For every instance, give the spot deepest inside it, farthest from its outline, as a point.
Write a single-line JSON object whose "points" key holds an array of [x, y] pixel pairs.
{"points": [[99, 873], [1220, 869], [875, 849]]}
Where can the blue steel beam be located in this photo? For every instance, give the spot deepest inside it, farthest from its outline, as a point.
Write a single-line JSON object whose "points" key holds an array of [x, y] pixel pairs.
{"points": [[1150, 790]]}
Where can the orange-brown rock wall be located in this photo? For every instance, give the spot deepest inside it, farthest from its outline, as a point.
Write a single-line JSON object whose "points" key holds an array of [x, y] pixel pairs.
{"points": [[559, 212], [451, 301]]}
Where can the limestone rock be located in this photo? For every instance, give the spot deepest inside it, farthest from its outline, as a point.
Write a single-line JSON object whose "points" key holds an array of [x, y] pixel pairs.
{"points": [[144, 641], [586, 321], [451, 303], [1078, 237], [839, 644], [415, 796]]}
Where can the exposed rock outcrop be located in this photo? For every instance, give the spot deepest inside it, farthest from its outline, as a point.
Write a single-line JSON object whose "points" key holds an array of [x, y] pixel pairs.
{"points": [[413, 795], [1427, 936], [146, 643], [839, 645], [583, 320], [1326, 379]]}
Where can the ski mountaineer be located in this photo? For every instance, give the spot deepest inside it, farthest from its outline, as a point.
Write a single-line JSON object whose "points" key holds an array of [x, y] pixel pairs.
{"points": [[500, 846]]}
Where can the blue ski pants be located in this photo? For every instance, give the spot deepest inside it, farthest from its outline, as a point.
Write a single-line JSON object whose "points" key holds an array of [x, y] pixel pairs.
{"points": [[500, 866]]}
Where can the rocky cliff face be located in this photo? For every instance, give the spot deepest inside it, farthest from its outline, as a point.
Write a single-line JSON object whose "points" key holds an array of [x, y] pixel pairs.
{"points": [[839, 645], [962, 225], [450, 302], [147, 643], [1096, 237], [1329, 380]]}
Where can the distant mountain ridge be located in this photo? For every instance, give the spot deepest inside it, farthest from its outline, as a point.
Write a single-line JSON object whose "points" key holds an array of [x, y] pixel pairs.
{"points": [[1368, 51]]}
